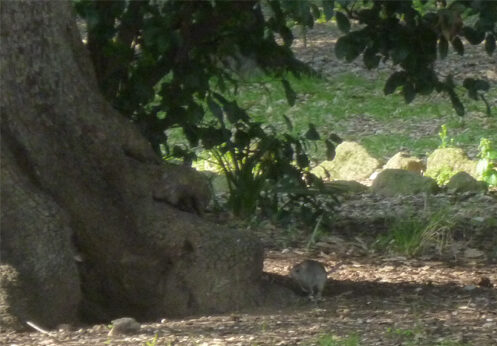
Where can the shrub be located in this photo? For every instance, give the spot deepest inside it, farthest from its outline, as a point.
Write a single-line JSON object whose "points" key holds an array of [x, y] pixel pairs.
{"points": [[487, 165]]}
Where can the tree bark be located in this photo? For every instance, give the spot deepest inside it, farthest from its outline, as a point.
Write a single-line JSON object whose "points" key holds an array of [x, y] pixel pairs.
{"points": [[93, 224]]}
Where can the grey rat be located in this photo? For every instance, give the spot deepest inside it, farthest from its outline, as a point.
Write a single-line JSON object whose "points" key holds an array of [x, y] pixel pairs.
{"points": [[311, 276]]}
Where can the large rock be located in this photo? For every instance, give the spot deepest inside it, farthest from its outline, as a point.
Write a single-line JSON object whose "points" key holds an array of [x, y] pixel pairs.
{"points": [[352, 162], [450, 159], [391, 182], [402, 160], [463, 182]]}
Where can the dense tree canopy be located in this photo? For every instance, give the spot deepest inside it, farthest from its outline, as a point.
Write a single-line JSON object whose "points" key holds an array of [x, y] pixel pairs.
{"points": [[177, 64], [167, 63]]}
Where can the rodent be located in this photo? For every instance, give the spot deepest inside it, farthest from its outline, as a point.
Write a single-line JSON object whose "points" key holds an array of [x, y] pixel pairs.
{"points": [[311, 277]]}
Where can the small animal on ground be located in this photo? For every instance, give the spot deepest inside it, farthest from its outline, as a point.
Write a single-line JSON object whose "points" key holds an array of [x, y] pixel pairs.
{"points": [[311, 277]]}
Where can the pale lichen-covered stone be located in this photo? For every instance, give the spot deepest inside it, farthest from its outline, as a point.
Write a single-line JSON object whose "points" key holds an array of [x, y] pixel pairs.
{"points": [[402, 160], [391, 182], [352, 162], [463, 182], [450, 159]]}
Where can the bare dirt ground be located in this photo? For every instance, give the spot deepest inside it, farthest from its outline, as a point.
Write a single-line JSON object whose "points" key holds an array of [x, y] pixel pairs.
{"points": [[384, 301], [377, 299]]}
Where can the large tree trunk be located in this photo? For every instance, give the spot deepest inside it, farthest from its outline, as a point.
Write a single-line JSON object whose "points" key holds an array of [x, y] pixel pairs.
{"points": [[92, 222]]}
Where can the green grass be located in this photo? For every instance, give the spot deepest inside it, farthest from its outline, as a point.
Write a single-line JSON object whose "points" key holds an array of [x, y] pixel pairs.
{"points": [[332, 340], [356, 109], [382, 146], [411, 234], [409, 337], [405, 236], [340, 105], [416, 337]]}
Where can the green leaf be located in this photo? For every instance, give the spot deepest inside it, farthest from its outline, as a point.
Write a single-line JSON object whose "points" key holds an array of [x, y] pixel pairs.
{"points": [[315, 11], [255, 131], [492, 179], [490, 44], [287, 151], [195, 112], [191, 134], [473, 36], [449, 82], [342, 22], [212, 137], [286, 35], [482, 166], [394, 81], [328, 8], [409, 92], [232, 111], [475, 85], [344, 3], [443, 47], [473, 94], [458, 46], [341, 47], [163, 43], [215, 109], [302, 160], [456, 103], [349, 47], [399, 53], [481, 84], [370, 58], [290, 94], [179, 151], [330, 149], [334, 138], [312, 134], [288, 122], [241, 139], [367, 16]]}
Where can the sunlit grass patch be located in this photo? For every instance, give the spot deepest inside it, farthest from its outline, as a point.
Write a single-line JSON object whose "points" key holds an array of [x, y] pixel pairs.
{"points": [[381, 146], [334, 105]]}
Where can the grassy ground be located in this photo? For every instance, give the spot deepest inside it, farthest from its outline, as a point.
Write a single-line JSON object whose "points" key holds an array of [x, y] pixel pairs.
{"points": [[355, 108]]}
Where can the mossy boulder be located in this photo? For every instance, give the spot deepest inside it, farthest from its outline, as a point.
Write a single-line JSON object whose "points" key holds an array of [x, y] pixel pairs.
{"points": [[391, 182], [351, 162], [449, 159], [402, 160], [463, 182]]}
